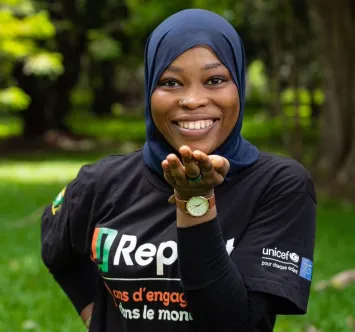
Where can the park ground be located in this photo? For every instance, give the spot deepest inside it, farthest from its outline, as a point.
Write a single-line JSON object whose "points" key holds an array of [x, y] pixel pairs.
{"points": [[30, 299]]}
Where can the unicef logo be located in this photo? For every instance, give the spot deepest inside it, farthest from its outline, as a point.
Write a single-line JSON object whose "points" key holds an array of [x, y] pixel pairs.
{"points": [[295, 257]]}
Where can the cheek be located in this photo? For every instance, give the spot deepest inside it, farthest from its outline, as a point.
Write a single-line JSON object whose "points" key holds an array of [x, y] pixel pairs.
{"points": [[157, 107], [231, 106], [160, 106]]}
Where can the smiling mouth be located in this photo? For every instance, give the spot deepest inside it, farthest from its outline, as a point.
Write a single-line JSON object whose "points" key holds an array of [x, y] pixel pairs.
{"points": [[196, 129], [195, 125]]}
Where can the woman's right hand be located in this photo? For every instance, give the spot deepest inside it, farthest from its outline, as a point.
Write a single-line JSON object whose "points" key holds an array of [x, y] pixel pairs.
{"points": [[212, 169]]}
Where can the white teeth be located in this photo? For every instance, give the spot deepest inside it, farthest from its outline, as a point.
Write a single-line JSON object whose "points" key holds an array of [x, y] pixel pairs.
{"points": [[195, 125]]}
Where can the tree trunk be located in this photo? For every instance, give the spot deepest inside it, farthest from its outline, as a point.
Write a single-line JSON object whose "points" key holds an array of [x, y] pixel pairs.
{"points": [[105, 92], [35, 117], [50, 101], [335, 24], [297, 134], [275, 79], [60, 96]]}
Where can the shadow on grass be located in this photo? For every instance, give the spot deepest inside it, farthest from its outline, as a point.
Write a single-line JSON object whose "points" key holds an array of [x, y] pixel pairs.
{"points": [[29, 296], [31, 180], [32, 297]]}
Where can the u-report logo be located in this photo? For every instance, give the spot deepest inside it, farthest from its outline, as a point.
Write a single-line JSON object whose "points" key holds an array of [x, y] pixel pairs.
{"points": [[129, 254]]}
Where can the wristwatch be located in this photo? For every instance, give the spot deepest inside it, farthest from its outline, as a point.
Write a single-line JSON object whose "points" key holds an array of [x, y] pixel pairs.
{"points": [[196, 206]]}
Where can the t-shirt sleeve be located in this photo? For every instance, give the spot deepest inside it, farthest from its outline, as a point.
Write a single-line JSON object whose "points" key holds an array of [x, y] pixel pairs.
{"points": [[65, 231], [275, 254]]}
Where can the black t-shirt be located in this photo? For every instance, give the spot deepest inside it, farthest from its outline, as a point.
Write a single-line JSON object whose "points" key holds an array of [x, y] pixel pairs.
{"points": [[116, 213]]}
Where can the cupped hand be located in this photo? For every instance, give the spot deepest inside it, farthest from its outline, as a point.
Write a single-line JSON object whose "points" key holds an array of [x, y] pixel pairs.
{"points": [[213, 170]]}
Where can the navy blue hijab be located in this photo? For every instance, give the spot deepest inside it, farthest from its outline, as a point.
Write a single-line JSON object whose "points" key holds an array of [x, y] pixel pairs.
{"points": [[174, 36]]}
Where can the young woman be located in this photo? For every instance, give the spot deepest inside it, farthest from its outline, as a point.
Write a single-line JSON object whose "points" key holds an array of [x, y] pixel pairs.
{"points": [[198, 231]]}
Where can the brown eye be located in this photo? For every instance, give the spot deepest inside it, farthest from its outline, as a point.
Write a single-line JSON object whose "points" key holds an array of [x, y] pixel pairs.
{"points": [[170, 84], [215, 81]]}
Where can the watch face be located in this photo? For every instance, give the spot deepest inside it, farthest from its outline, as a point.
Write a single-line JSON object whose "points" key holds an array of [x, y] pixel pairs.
{"points": [[197, 206]]}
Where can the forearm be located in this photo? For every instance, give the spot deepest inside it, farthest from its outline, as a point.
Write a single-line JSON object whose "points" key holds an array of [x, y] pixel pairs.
{"points": [[86, 314], [212, 284]]}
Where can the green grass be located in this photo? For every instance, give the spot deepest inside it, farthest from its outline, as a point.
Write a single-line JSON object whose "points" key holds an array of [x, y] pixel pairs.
{"points": [[256, 127], [31, 300], [30, 296]]}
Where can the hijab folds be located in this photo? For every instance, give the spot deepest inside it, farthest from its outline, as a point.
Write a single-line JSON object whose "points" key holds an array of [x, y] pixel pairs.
{"points": [[178, 33]]}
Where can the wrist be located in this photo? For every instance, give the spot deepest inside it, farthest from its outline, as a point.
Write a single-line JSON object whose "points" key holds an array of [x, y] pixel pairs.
{"points": [[185, 197], [192, 209], [183, 220]]}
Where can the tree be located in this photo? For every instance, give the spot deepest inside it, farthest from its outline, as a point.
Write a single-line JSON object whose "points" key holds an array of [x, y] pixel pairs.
{"points": [[23, 31], [334, 24], [50, 102]]}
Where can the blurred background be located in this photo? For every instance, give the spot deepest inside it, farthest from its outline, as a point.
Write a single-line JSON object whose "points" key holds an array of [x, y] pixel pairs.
{"points": [[71, 92]]}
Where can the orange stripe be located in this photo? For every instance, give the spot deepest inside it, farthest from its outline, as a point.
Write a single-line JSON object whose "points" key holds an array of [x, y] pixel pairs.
{"points": [[93, 243], [111, 294]]}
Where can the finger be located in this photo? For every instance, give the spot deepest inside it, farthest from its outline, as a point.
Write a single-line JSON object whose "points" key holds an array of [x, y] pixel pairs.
{"points": [[206, 166], [192, 170], [167, 173], [177, 169], [220, 164]]}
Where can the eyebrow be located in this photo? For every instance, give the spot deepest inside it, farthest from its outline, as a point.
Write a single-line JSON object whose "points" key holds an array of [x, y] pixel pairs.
{"points": [[211, 66], [175, 69], [205, 67]]}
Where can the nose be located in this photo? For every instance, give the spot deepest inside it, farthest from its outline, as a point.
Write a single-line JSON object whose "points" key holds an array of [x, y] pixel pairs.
{"points": [[194, 99]]}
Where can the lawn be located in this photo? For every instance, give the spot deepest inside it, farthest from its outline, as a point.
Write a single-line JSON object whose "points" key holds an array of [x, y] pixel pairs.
{"points": [[30, 299]]}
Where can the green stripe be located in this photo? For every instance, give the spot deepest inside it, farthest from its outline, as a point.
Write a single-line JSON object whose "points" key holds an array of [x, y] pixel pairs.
{"points": [[111, 235]]}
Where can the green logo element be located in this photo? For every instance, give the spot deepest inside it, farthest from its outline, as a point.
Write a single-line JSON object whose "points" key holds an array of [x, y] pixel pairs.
{"points": [[98, 242], [57, 203]]}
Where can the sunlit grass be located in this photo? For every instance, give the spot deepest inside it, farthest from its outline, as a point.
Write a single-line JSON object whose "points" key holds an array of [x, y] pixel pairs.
{"points": [[30, 299], [34, 172], [34, 300]]}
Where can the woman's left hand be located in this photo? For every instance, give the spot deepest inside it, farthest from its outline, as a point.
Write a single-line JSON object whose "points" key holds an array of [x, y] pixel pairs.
{"points": [[213, 170]]}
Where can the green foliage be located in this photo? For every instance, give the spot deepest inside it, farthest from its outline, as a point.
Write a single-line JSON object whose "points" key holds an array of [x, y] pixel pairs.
{"points": [[288, 98], [18, 35], [44, 64], [257, 83], [21, 28], [13, 99], [102, 47], [81, 97], [319, 96], [10, 126], [20, 7], [120, 129], [145, 15]]}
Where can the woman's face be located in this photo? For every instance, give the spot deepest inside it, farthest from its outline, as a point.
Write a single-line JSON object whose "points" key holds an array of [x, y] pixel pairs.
{"points": [[210, 106]]}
